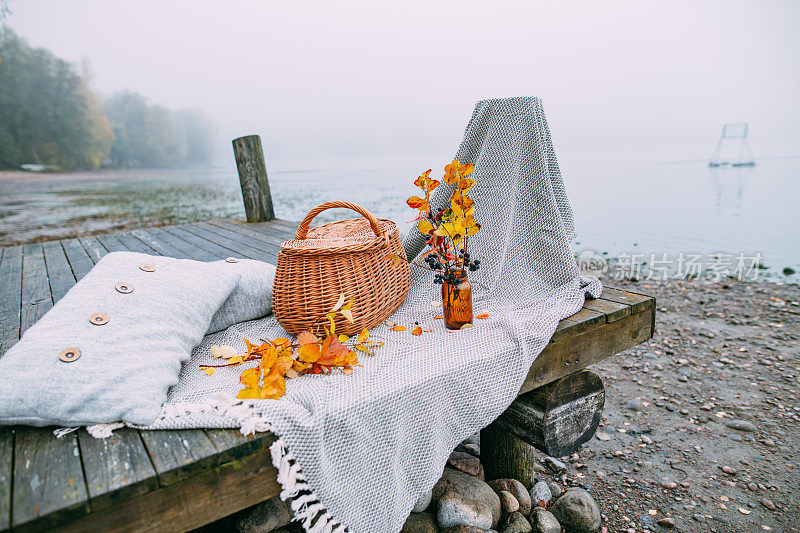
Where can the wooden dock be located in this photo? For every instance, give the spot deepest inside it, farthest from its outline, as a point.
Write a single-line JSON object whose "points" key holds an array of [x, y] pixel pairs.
{"points": [[179, 480]]}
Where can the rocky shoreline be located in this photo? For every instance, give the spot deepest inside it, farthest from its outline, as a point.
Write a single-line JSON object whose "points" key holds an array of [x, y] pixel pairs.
{"points": [[700, 431]]}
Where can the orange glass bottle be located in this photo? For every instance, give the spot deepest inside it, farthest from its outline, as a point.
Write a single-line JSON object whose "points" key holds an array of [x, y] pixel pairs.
{"points": [[457, 302]]}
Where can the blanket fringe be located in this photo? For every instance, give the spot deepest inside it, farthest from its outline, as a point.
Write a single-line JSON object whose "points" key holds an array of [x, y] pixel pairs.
{"points": [[307, 508], [63, 432], [103, 431]]}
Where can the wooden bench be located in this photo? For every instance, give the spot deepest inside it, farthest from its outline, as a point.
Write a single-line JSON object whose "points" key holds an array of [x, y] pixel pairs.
{"points": [[179, 480]]}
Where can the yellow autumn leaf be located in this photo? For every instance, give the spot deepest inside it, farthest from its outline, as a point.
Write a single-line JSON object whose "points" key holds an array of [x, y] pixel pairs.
{"points": [[425, 226], [364, 335], [249, 393], [343, 338], [348, 315], [282, 365], [251, 377], [236, 360], [309, 353], [268, 358], [208, 370]]}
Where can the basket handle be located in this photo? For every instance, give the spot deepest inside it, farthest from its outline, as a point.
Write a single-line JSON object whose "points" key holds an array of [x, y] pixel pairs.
{"points": [[302, 229]]}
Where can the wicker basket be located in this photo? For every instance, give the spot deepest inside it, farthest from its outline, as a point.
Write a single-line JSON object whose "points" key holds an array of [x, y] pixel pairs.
{"points": [[340, 257]]}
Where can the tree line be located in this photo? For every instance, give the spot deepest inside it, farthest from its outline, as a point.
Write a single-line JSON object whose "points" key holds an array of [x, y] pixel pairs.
{"points": [[50, 115]]}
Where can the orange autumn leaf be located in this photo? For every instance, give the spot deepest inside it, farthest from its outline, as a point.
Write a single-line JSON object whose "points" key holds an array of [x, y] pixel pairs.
{"points": [[280, 341], [283, 364], [437, 317], [249, 393], [415, 202], [274, 386], [398, 328], [416, 331], [307, 337], [251, 377], [268, 358], [423, 178], [209, 370], [309, 353], [482, 315]]}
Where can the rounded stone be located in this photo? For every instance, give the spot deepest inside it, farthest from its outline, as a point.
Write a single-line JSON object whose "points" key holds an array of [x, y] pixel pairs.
{"points": [[555, 489], [540, 494], [516, 523], [420, 523], [517, 489], [577, 511], [543, 521], [423, 502], [455, 509], [469, 487], [508, 502]]}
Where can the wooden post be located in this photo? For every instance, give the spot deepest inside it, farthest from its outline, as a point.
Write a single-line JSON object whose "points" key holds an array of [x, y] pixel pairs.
{"points": [[556, 419], [253, 178]]}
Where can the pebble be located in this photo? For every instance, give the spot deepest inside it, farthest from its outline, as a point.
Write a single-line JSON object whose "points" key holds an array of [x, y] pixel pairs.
{"points": [[728, 470], [768, 504], [554, 464], [423, 502], [671, 485], [699, 518], [646, 440], [555, 488], [508, 502], [461, 528], [467, 463], [420, 523], [455, 509], [741, 425], [667, 523], [577, 511], [540, 494], [517, 523], [543, 521], [471, 488], [633, 405], [517, 489]]}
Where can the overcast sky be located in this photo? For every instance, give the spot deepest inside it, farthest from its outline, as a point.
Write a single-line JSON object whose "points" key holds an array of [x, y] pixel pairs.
{"points": [[320, 79]]}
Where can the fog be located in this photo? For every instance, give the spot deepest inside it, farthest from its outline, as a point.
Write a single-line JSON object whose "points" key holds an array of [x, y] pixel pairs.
{"points": [[350, 80]]}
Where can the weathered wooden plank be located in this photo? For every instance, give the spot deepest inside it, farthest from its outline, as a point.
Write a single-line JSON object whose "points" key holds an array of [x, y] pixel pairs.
{"points": [[10, 296], [289, 225], [580, 350], [257, 232], [246, 238], [188, 250], [36, 299], [219, 251], [59, 272], [78, 258], [203, 237], [638, 302], [93, 248], [117, 468], [111, 243], [6, 475], [159, 246], [49, 486], [195, 501], [583, 320], [132, 244], [612, 310], [253, 178], [177, 455], [279, 230]]}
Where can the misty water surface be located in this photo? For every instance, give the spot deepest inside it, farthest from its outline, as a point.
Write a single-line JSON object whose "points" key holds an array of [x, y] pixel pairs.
{"points": [[635, 208]]}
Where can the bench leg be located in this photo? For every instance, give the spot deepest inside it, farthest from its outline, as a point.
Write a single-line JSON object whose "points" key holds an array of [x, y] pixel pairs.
{"points": [[556, 419]]}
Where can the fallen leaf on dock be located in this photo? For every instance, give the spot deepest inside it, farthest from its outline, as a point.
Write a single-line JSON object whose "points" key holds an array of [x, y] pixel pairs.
{"points": [[482, 315]]}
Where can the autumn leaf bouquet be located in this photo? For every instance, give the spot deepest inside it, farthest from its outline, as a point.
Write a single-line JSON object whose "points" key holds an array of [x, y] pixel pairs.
{"points": [[315, 351], [448, 231]]}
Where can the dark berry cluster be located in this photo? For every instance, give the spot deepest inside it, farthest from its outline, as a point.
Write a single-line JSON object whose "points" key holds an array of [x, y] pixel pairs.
{"points": [[433, 262], [471, 265]]}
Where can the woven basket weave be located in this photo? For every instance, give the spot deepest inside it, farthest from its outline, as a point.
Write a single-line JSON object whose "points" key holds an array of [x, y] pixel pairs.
{"points": [[340, 257]]}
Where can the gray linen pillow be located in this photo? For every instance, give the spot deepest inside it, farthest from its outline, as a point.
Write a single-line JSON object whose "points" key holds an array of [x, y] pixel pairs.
{"points": [[132, 321], [252, 297]]}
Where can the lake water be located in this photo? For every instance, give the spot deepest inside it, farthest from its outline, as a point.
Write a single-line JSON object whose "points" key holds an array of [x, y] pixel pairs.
{"points": [[621, 210]]}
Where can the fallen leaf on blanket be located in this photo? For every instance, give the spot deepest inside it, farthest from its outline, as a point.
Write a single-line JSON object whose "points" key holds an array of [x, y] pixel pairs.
{"points": [[309, 353], [280, 341], [223, 351], [436, 303], [251, 377], [236, 360], [343, 338], [283, 364], [398, 328], [466, 326], [482, 315], [416, 331], [437, 317], [208, 370], [364, 335], [306, 337]]}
